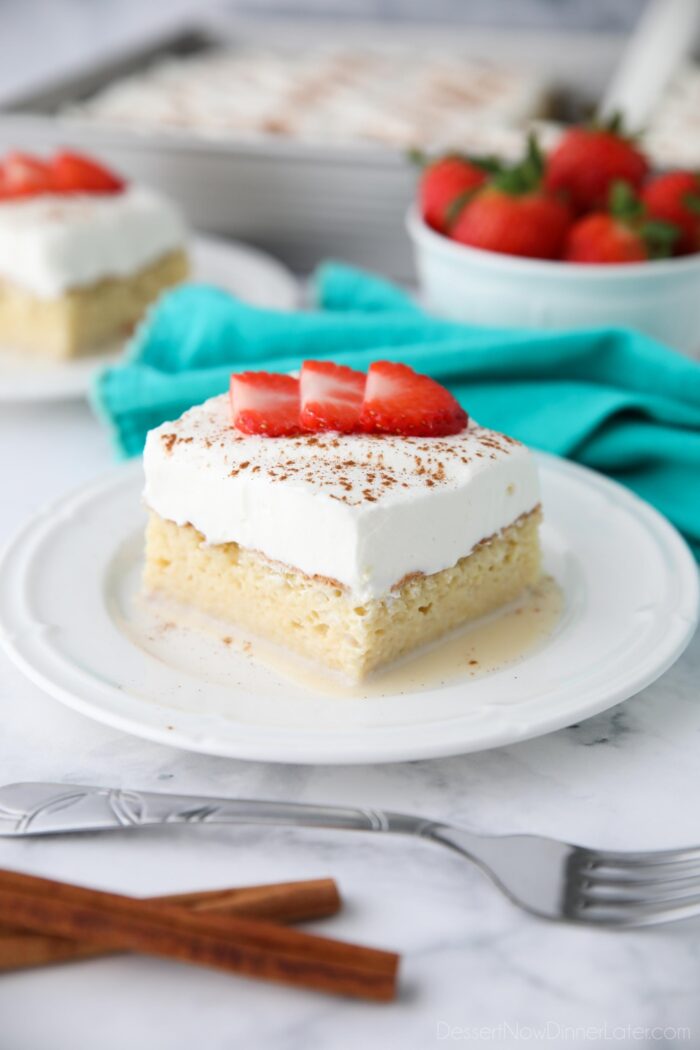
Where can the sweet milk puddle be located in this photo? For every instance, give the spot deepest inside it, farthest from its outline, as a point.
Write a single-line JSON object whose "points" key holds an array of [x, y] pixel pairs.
{"points": [[200, 645]]}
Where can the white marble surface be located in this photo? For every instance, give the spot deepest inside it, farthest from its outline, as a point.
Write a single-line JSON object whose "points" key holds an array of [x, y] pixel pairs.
{"points": [[629, 778]]}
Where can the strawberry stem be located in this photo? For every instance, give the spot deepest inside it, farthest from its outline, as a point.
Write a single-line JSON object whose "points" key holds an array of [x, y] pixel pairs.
{"points": [[526, 176], [615, 125]]}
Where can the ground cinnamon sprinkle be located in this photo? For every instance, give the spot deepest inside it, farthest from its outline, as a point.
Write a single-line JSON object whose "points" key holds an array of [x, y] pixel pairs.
{"points": [[353, 469]]}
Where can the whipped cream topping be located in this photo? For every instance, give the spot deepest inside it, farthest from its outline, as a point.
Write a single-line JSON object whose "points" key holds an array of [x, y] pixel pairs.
{"points": [[52, 243], [397, 95], [363, 510]]}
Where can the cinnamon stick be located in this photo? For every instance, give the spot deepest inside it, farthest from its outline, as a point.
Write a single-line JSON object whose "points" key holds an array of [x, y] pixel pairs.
{"points": [[278, 902], [253, 947]]}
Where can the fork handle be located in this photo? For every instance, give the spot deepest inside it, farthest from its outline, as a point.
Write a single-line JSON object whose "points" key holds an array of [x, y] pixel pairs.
{"points": [[49, 809]]}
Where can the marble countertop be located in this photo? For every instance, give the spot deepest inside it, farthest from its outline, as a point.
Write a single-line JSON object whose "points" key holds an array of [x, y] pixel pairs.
{"points": [[471, 961]]}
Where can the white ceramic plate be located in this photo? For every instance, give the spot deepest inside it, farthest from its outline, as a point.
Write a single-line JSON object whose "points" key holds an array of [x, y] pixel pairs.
{"points": [[67, 598], [246, 272]]}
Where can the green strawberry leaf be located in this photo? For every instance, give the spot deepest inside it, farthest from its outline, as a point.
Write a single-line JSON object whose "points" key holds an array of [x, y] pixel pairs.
{"points": [[527, 175], [624, 203], [454, 208], [660, 237], [418, 158], [615, 124], [692, 202], [491, 165]]}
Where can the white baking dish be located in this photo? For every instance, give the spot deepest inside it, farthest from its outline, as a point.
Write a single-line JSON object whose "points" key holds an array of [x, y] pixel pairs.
{"points": [[301, 201]]}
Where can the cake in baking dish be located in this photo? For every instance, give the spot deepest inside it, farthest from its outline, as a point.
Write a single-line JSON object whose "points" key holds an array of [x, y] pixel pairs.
{"points": [[350, 519], [82, 254], [400, 95]]}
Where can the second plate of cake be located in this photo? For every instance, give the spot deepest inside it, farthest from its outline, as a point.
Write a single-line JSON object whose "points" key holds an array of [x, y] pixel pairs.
{"points": [[243, 271], [84, 253], [342, 552]]}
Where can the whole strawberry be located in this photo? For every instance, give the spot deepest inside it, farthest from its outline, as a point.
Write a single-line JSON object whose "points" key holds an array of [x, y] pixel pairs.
{"points": [[588, 159], [675, 198], [444, 185], [514, 215], [623, 234]]}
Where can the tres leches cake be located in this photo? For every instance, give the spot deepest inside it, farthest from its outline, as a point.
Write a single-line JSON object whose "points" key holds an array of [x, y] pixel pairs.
{"points": [[349, 518], [82, 253]]}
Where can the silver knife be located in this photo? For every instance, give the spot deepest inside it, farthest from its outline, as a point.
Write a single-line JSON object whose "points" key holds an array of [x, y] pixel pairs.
{"points": [[549, 878]]}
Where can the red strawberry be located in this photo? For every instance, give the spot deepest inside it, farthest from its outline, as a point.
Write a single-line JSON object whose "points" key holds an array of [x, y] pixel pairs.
{"points": [[622, 235], [445, 184], [24, 175], [512, 214], [586, 162], [400, 401], [331, 396], [265, 403], [75, 173], [675, 198], [531, 225], [601, 238]]}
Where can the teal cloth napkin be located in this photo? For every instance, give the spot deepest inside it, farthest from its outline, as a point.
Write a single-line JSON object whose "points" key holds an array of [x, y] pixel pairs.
{"points": [[612, 399]]}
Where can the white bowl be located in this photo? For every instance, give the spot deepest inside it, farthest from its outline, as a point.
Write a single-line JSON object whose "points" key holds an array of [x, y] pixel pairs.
{"points": [[504, 291]]}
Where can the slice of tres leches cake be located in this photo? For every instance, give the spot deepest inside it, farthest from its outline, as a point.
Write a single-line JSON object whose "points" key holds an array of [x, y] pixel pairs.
{"points": [[349, 518]]}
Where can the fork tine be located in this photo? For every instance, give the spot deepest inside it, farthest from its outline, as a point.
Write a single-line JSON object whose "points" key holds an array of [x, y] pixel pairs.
{"points": [[641, 885], [620, 888], [643, 876], [650, 859], [610, 889], [635, 914], [663, 895]]}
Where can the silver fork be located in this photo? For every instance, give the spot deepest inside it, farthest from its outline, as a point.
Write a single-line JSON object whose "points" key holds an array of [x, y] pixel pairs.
{"points": [[548, 878]]}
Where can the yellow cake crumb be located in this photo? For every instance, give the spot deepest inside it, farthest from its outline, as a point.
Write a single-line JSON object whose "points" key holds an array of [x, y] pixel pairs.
{"points": [[319, 619], [85, 319]]}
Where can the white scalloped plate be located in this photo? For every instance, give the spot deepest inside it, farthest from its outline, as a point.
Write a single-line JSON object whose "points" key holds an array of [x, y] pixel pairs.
{"points": [[67, 585], [247, 273]]}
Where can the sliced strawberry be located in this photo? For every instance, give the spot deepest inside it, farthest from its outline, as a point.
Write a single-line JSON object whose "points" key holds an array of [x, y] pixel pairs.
{"points": [[331, 396], [24, 175], [265, 403], [75, 173], [400, 401]]}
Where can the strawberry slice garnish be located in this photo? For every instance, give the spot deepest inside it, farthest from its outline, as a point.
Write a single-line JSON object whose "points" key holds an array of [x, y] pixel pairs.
{"points": [[24, 175], [391, 399], [331, 396], [400, 401], [75, 173], [265, 403]]}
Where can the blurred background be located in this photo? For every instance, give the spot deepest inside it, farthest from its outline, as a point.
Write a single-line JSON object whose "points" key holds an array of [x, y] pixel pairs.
{"points": [[46, 36], [289, 124]]}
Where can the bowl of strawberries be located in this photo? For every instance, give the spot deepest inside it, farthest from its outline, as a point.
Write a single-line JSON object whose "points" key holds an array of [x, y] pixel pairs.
{"points": [[586, 236]]}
